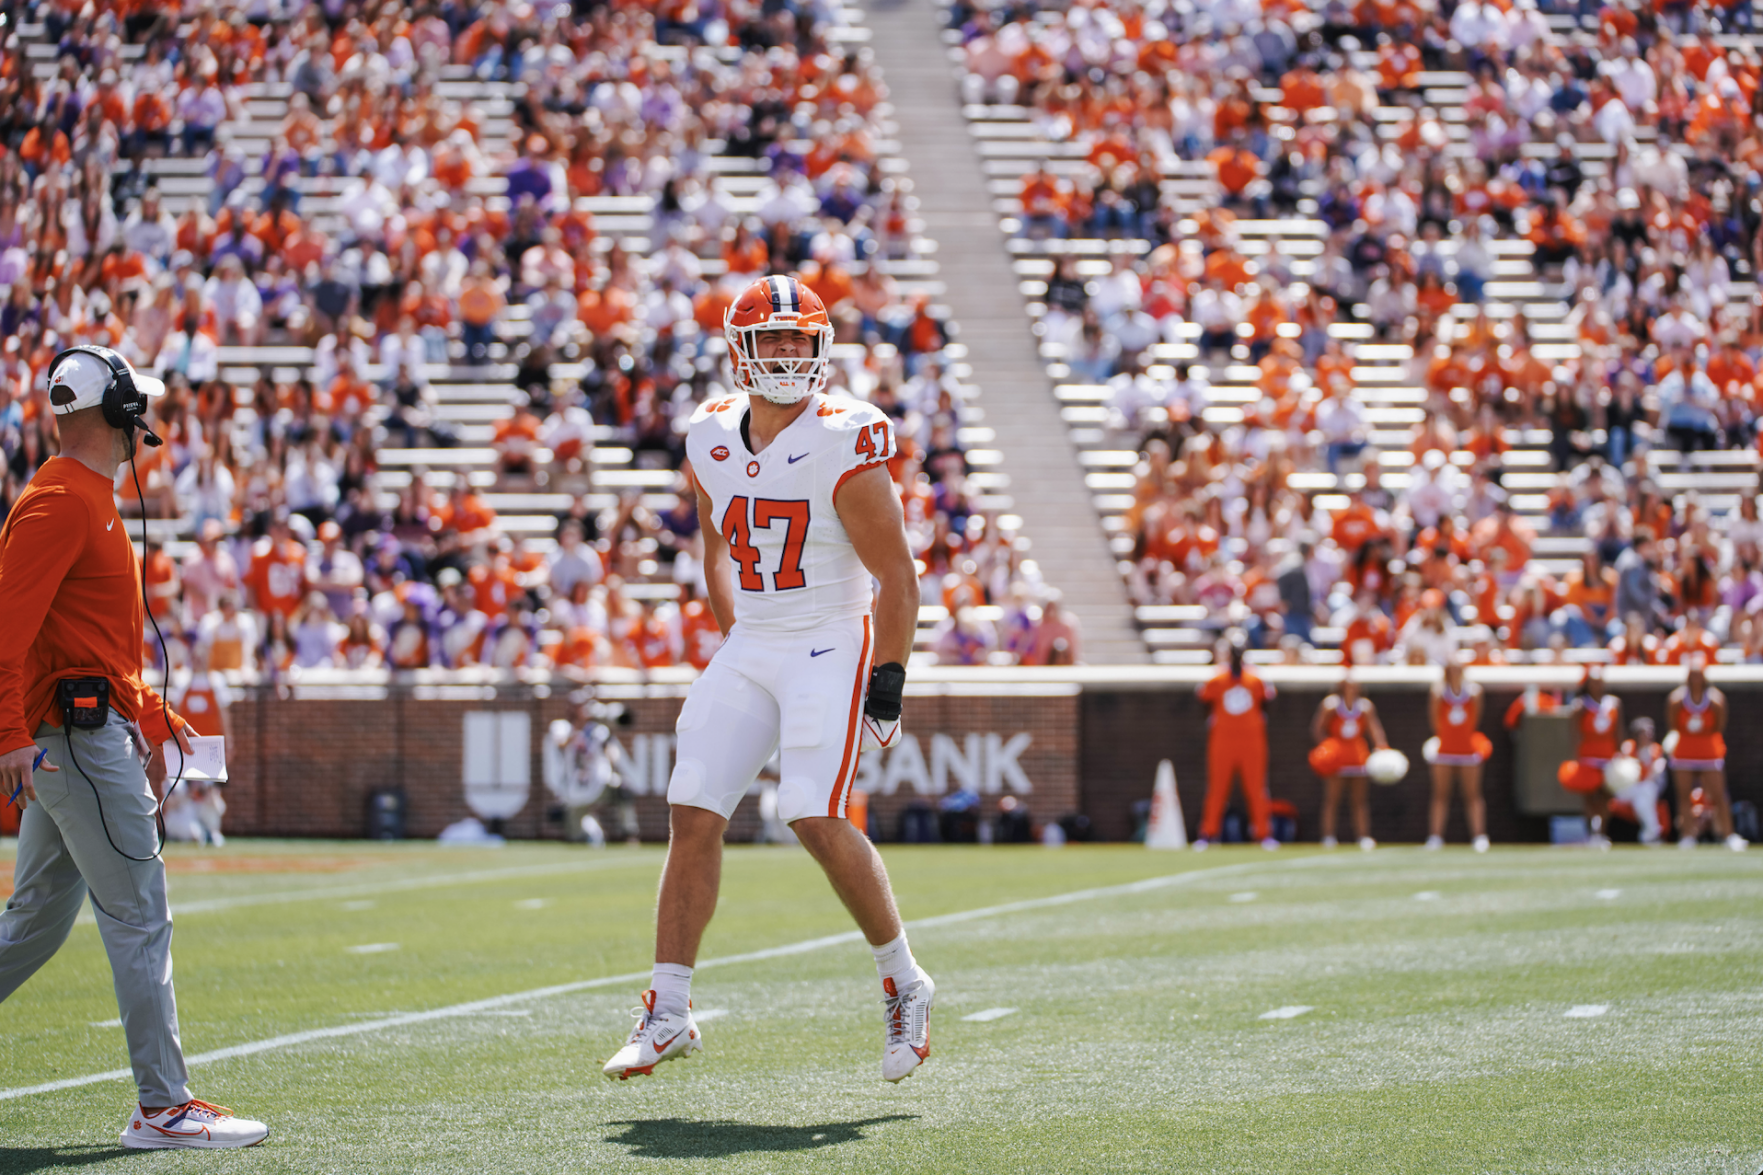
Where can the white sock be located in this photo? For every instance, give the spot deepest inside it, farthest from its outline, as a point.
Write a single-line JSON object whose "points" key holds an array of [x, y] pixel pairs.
{"points": [[672, 985], [893, 960]]}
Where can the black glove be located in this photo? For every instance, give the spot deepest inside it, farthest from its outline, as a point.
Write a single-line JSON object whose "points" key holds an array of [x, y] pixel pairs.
{"points": [[886, 684]]}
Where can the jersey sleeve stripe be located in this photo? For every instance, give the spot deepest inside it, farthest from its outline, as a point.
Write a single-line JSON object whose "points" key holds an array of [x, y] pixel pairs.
{"points": [[851, 473], [848, 767]]}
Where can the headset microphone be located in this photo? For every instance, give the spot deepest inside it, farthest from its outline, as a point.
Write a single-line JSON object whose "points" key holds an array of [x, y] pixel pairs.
{"points": [[148, 435]]}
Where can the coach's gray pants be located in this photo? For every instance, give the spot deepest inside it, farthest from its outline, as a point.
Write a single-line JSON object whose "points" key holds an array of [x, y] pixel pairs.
{"points": [[63, 854]]}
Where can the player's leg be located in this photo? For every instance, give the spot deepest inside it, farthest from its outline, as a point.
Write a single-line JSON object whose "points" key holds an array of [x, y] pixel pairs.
{"points": [[1331, 799], [1475, 808], [1440, 809], [1719, 804], [819, 742], [1687, 825], [1359, 796], [691, 878], [1252, 770], [727, 730], [1220, 769], [856, 872]]}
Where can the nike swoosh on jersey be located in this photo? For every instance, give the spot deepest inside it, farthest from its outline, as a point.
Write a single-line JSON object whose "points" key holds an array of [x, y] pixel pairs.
{"points": [[797, 458], [111, 525], [818, 652]]}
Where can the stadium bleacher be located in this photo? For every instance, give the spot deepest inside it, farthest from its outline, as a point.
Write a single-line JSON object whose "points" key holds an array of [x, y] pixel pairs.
{"points": [[1045, 86], [641, 185]]}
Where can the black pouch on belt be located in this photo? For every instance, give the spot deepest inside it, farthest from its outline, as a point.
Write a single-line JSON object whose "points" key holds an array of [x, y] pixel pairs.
{"points": [[85, 701]]}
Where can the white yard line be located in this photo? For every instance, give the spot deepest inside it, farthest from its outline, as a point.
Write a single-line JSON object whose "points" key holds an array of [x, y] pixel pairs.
{"points": [[988, 1015], [475, 1007], [1289, 1012]]}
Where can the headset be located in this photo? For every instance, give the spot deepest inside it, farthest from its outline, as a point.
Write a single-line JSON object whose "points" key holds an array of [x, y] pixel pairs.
{"points": [[125, 409], [125, 406]]}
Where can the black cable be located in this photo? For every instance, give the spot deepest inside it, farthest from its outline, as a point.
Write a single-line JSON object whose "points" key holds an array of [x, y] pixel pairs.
{"points": [[164, 706]]}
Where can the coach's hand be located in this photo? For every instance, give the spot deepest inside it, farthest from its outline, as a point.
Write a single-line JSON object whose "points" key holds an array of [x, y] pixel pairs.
{"points": [[156, 765], [881, 706], [15, 775]]}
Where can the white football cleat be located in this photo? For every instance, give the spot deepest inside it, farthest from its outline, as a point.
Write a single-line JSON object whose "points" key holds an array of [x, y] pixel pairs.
{"points": [[194, 1124], [907, 1020], [658, 1037], [1481, 844]]}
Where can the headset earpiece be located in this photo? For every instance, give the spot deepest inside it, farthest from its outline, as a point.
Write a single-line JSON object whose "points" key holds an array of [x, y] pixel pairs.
{"points": [[124, 405]]}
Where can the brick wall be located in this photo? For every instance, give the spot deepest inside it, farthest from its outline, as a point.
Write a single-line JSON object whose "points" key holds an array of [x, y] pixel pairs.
{"points": [[303, 762]]}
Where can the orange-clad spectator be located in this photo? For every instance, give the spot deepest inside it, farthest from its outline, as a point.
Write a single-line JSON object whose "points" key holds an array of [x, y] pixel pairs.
{"points": [[1356, 524], [277, 575], [1636, 645], [1506, 531], [1236, 748], [1344, 729], [163, 584], [1369, 634], [700, 635], [464, 511], [1689, 641], [606, 309], [40, 151], [1237, 168], [495, 585], [1302, 90], [581, 648], [480, 303], [516, 441]]}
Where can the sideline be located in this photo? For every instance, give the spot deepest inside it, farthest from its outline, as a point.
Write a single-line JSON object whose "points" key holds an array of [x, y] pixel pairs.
{"points": [[473, 1007]]}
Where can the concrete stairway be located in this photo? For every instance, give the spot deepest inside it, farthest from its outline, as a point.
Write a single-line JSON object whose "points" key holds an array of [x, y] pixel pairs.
{"points": [[1046, 481]]}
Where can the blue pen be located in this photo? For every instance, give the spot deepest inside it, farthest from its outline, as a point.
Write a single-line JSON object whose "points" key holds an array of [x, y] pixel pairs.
{"points": [[38, 762]]}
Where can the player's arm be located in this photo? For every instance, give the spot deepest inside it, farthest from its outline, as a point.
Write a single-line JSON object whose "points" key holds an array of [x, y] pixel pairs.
{"points": [[871, 514], [1375, 726], [869, 510], [718, 576]]}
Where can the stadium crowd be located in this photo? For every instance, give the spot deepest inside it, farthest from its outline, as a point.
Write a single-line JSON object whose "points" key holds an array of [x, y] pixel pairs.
{"points": [[1626, 163], [451, 242]]}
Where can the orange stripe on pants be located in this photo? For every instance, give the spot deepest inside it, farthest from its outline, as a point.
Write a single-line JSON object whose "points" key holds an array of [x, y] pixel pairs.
{"points": [[1247, 761]]}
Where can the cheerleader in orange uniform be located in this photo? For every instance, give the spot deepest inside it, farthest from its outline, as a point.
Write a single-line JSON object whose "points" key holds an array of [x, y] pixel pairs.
{"points": [[1236, 749], [1461, 750], [1597, 720], [1340, 730], [1696, 712]]}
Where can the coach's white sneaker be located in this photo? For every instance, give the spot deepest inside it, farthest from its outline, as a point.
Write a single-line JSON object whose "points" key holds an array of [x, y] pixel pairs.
{"points": [[1737, 843], [658, 1037], [907, 1020], [193, 1124]]}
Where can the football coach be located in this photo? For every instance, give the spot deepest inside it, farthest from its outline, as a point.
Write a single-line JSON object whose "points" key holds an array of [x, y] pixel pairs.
{"points": [[80, 739]]}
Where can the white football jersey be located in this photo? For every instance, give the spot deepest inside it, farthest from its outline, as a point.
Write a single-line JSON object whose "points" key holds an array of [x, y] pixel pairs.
{"points": [[794, 566]]}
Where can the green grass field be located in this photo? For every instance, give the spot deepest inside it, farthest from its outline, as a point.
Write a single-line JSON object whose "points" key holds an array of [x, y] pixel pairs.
{"points": [[1533, 1010]]}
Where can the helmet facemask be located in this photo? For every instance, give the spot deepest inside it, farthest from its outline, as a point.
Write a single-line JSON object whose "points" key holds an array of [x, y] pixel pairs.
{"points": [[780, 380]]}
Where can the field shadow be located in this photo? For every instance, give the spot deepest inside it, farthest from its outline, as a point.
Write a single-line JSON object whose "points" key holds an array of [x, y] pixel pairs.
{"points": [[18, 1160], [678, 1138]]}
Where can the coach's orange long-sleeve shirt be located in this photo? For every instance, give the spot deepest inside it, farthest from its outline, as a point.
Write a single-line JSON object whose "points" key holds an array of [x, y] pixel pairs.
{"points": [[70, 604]]}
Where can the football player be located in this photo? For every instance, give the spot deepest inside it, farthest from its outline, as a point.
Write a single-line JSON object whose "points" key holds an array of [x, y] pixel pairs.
{"points": [[799, 515]]}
